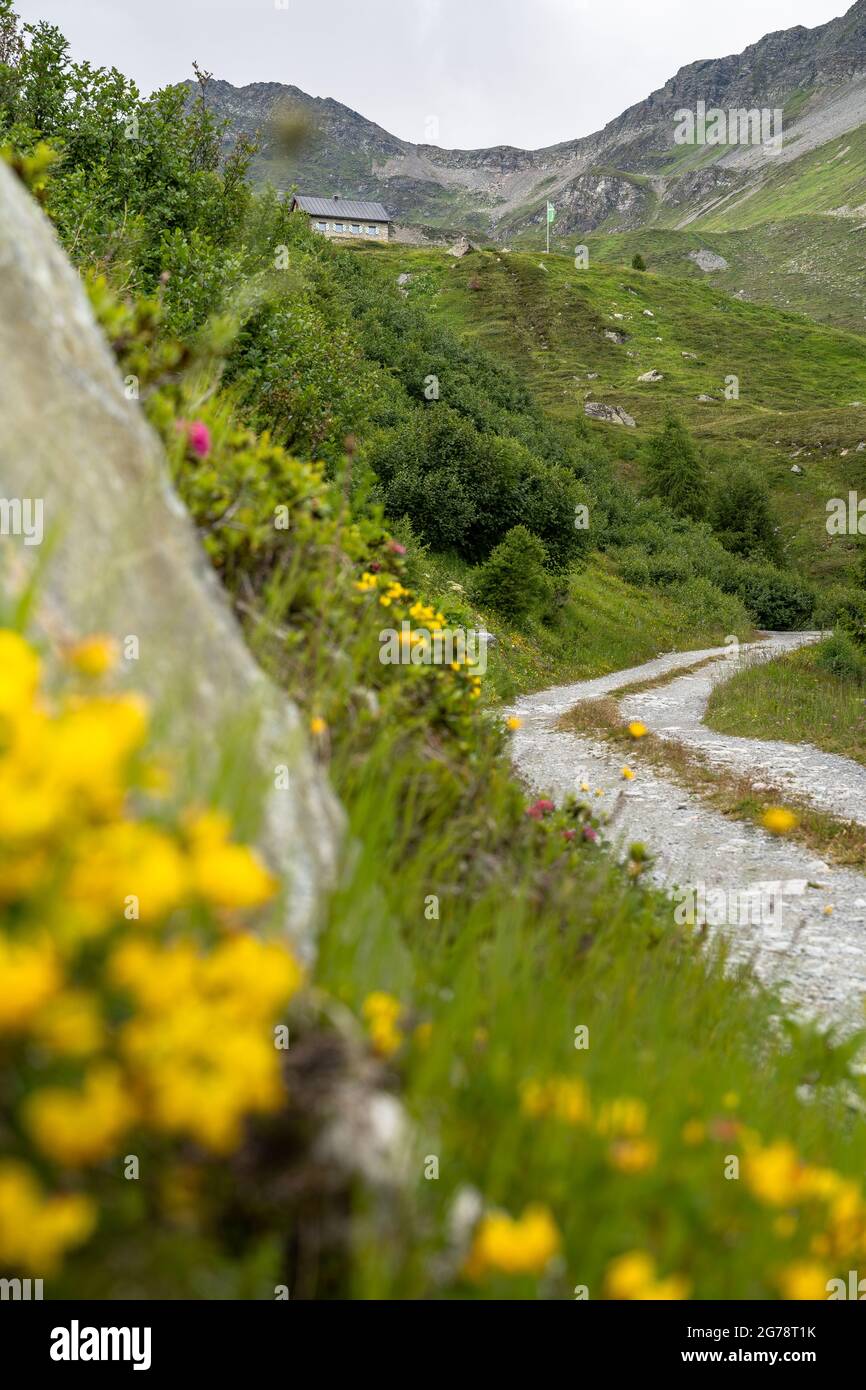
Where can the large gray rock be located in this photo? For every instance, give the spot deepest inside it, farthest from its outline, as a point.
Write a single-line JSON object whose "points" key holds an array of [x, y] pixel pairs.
{"points": [[608, 414], [708, 260], [120, 555]]}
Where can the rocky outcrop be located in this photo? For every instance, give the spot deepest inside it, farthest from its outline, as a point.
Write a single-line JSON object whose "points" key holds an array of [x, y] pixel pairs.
{"points": [[120, 555], [608, 414], [708, 260]]}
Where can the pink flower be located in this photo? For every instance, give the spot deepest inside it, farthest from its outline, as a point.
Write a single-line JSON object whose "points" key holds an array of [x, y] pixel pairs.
{"points": [[374, 567], [568, 834], [198, 438], [590, 834], [540, 809], [396, 548]]}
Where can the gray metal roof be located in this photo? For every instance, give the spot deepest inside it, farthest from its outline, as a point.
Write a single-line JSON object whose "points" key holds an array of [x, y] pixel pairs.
{"points": [[342, 207]]}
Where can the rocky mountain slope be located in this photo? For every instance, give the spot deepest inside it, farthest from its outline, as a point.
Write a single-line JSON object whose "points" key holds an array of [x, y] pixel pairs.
{"points": [[627, 175]]}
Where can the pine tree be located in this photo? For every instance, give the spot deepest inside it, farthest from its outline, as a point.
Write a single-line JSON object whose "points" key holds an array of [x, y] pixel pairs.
{"points": [[742, 515], [675, 470]]}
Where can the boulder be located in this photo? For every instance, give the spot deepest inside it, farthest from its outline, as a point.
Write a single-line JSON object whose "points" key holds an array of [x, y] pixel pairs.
{"points": [[608, 414], [651, 376], [461, 247], [708, 260], [121, 556]]}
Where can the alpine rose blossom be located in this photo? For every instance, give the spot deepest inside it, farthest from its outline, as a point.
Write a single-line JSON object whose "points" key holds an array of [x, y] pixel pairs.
{"points": [[198, 438]]}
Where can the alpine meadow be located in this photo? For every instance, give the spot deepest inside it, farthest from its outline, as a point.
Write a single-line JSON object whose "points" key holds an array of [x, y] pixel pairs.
{"points": [[432, 679]]}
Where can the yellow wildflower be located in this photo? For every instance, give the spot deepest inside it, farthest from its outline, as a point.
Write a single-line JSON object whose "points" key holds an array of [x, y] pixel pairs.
{"points": [[633, 1276], [318, 727], [91, 744], [200, 1071], [509, 1246], [778, 820], [774, 1174], [633, 1155], [513, 723], [29, 978], [628, 1275], [803, 1280], [157, 977], [226, 874], [93, 656], [627, 774], [382, 1012], [624, 1117], [19, 673], [565, 1098], [125, 860], [637, 729], [71, 1025], [32, 804], [83, 1126], [36, 1231]]}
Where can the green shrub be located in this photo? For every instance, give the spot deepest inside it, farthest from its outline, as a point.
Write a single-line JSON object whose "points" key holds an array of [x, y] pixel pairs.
{"points": [[668, 567], [709, 607], [464, 490], [774, 599], [633, 564], [513, 579], [843, 606], [841, 656], [638, 262], [741, 514]]}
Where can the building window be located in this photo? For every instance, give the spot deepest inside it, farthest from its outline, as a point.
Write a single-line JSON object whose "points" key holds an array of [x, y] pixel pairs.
{"points": [[321, 226], [355, 227], [338, 226], [374, 231]]}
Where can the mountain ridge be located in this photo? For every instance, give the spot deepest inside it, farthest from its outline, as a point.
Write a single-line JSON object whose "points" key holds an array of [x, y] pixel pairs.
{"points": [[629, 175]]}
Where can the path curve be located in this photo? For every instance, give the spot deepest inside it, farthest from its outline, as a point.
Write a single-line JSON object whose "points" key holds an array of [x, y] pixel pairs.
{"points": [[818, 961]]}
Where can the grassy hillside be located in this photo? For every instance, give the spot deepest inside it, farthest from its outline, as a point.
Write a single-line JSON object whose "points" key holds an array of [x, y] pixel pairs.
{"points": [[808, 265], [831, 177], [799, 380], [805, 697]]}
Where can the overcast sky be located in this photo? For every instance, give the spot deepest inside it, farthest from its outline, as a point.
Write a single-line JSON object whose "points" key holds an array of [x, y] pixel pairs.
{"points": [[458, 73]]}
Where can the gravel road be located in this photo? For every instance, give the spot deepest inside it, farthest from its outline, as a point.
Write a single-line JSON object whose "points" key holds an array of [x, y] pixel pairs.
{"points": [[816, 959]]}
